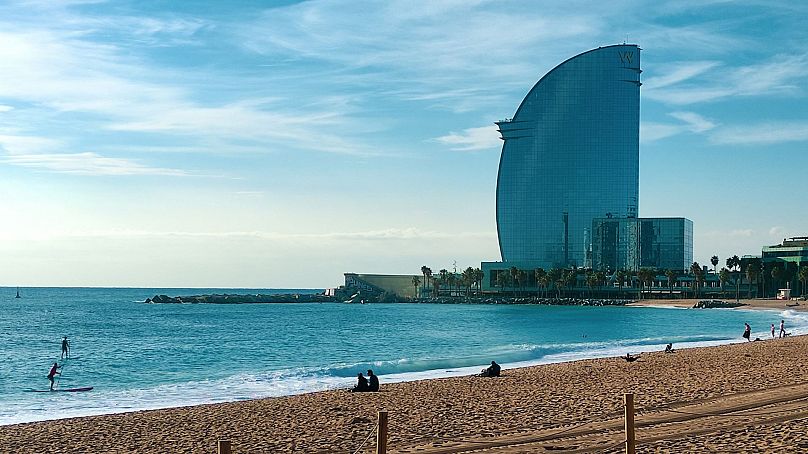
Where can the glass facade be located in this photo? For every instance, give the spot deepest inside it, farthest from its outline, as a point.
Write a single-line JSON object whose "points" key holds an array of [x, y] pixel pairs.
{"points": [[631, 244], [570, 154]]}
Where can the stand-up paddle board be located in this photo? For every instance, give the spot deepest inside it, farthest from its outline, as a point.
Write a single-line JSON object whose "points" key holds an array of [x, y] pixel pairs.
{"points": [[64, 390]]}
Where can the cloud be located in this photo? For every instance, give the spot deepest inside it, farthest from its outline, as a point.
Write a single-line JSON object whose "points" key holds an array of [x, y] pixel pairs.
{"points": [[87, 164], [693, 121], [762, 134], [675, 73], [472, 139], [776, 231], [4, 108], [707, 81]]}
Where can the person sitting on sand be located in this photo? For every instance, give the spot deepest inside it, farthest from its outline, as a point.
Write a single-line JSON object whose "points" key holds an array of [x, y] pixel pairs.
{"points": [[53, 371], [669, 348], [630, 358], [491, 371], [361, 385], [747, 331], [374, 381]]}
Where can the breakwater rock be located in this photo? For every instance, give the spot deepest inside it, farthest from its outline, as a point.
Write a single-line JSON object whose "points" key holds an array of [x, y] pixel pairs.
{"points": [[716, 304], [242, 299], [527, 300]]}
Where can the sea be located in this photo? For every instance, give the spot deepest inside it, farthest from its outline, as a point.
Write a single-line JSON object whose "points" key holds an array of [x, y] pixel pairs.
{"points": [[140, 356]]}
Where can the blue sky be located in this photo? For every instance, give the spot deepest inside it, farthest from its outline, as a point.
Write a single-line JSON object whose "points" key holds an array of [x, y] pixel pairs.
{"points": [[280, 144]]}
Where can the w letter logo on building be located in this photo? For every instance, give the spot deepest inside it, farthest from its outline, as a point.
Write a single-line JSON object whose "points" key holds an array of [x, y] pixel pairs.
{"points": [[626, 57]]}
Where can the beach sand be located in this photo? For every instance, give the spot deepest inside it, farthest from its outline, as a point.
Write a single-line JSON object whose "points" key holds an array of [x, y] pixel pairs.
{"points": [[765, 304], [567, 407]]}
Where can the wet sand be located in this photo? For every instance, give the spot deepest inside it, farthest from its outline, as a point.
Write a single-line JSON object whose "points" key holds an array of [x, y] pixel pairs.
{"points": [[525, 410]]}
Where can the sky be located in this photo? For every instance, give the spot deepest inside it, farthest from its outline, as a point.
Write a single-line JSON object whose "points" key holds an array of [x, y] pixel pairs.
{"points": [[281, 144]]}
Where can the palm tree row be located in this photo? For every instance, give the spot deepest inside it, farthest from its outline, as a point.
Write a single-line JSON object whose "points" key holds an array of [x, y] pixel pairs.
{"points": [[457, 283]]}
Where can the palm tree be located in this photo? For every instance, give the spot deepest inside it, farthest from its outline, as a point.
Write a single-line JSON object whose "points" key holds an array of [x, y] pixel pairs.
{"points": [[777, 273], [646, 277], [752, 273], [428, 276], [514, 272], [698, 275], [452, 281], [479, 275], [671, 275], [803, 277], [423, 273], [621, 276], [555, 275], [443, 276], [724, 276], [545, 283], [539, 273], [591, 280], [600, 278], [714, 261], [416, 281]]}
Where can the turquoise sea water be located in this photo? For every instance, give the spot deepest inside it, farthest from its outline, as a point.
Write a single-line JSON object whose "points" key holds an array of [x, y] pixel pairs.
{"points": [[143, 356]]}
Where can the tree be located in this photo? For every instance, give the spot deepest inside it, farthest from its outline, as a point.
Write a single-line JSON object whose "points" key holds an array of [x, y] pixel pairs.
{"points": [[416, 281], [776, 273], [479, 275], [556, 275], [452, 281], [714, 261], [539, 273], [724, 276], [621, 276], [591, 280], [671, 275], [514, 271], [646, 277], [698, 276], [752, 273], [423, 273], [443, 276], [600, 278], [428, 277], [803, 277]]}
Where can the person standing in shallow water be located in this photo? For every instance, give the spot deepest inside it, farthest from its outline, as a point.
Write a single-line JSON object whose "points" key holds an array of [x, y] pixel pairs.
{"points": [[772, 330], [747, 331], [782, 328]]}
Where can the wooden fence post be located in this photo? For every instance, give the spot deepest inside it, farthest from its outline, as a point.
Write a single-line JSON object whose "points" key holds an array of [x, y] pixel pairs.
{"points": [[630, 441], [381, 434], [224, 447]]}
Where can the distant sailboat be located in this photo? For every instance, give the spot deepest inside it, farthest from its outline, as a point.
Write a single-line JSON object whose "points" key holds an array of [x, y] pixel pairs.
{"points": [[18, 293]]}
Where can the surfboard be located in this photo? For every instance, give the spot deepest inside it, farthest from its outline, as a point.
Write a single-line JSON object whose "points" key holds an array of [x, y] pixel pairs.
{"points": [[64, 390]]}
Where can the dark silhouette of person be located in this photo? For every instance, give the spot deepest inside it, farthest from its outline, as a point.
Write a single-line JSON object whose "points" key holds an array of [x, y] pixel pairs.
{"points": [[374, 381], [669, 348], [361, 385], [65, 348], [630, 358], [747, 331], [53, 371], [492, 371]]}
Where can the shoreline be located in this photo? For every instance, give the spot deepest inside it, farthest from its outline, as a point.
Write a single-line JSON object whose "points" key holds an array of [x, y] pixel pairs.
{"points": [[524, 400], [755, 304]]}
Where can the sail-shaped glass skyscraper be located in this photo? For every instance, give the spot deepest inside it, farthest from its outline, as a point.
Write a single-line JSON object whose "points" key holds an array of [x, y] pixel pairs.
{"points": [[570, 155]]}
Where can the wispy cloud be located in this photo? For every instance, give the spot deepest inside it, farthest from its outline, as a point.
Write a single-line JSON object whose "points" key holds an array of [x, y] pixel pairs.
{"points": [[87, 164], [472, 139], [690, 122], [778, 75], [762, 134]]}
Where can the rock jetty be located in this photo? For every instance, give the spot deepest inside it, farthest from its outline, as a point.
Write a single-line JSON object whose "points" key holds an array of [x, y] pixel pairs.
{"points": [[243, 299], [716, 304]]}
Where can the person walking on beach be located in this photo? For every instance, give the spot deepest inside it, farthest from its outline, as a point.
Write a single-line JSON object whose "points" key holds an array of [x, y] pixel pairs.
{"points": [[374, 381], [772, 330], [53, 371], [65, 348], [747, 331], [782, 328]]}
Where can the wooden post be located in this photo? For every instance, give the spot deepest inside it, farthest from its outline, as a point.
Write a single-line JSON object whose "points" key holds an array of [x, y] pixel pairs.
{"points": [[630, 441], [381, 434], [224, 447]]}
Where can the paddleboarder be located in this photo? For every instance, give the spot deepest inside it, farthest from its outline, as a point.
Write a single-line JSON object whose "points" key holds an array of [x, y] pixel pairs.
{"points": [[65, 348], [53, 371]]}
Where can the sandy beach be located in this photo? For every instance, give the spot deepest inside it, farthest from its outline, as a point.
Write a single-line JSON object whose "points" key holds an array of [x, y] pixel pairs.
{"points": [[567, 407]]}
